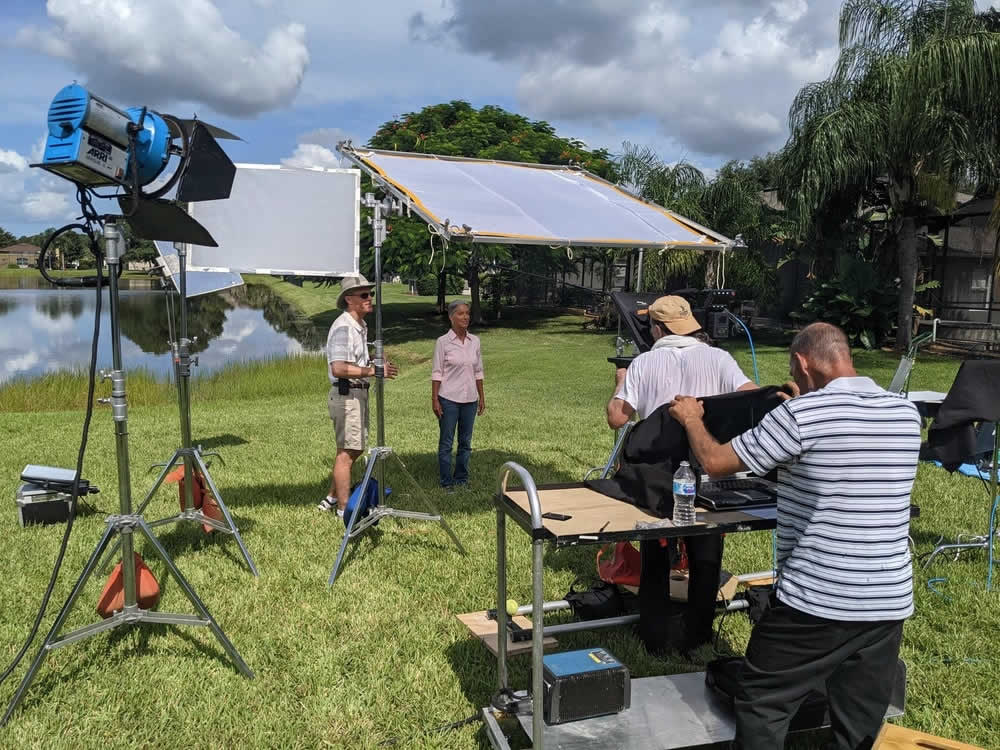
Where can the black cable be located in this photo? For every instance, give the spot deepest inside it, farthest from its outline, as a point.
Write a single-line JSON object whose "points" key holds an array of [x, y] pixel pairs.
{"points": [[90, 219], [75, 492], [444, 728]]}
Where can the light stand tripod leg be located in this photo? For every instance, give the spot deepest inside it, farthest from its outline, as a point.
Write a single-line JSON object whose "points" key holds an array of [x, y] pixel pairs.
{"points": [[113, 552], [53, 633], [373, 456], [195, 601], [225, 512], [429, 505], [187, 453]]}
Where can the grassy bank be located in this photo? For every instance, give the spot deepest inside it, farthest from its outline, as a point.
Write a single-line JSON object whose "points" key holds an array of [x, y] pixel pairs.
{"points": [[381, 656], [19, 273]]}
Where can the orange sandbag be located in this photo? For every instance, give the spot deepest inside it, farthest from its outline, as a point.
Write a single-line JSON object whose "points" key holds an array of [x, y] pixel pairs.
{"points": [[113, 596], [211, 509], [203, 498], [198, 491]]}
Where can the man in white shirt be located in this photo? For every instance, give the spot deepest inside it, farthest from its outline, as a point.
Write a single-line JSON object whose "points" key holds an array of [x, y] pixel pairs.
{"points": [[349, 370], [678, 364]]}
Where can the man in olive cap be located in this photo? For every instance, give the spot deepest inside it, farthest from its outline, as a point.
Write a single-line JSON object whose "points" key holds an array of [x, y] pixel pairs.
{"points": [[349, 373], [680, 363]]}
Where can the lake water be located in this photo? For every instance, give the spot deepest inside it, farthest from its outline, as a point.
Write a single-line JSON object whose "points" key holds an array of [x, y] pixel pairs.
{"points": [[44, 329]]}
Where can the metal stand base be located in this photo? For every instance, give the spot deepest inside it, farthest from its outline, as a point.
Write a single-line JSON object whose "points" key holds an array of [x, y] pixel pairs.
{"points": [[987, 541], [192, 514], [356, 527], [130, 614]]}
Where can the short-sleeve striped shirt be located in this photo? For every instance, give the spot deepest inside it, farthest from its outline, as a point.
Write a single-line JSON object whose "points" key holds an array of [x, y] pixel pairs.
{"points": [[846, 457], [347, 341]]}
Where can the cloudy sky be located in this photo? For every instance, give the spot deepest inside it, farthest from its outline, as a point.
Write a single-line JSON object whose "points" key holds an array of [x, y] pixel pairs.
{"points": [[695, 80]]}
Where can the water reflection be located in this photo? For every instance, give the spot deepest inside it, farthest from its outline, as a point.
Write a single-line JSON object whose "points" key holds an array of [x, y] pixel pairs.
{"points": [[45, 330]]}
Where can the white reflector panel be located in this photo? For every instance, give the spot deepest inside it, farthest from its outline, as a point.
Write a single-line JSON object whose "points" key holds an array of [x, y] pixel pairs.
{"points": [[281, 220], [197, 282], [529, 203]]}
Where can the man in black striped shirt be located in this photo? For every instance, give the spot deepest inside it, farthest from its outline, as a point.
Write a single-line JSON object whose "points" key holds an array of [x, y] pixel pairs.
{"points": [[846, 453]]}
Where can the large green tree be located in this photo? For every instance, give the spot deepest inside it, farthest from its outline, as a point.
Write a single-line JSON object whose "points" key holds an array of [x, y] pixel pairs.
{"points": [[911, 106], [458, 129]]}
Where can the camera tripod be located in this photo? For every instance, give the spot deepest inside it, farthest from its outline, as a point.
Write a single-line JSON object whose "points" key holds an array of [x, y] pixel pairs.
{"points": [[123, 525]]}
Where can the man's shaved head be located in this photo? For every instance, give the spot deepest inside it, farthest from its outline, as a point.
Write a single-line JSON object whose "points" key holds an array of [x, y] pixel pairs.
{"points": [[820, 353], [821, 343]]}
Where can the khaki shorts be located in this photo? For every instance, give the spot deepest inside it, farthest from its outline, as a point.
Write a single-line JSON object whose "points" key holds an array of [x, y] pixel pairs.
{"points": [[350, 418]]}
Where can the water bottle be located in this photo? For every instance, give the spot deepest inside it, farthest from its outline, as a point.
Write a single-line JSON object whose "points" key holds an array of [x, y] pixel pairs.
{"points": [[684, 487]]}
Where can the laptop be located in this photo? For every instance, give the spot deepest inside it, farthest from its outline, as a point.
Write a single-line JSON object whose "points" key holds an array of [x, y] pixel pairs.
{"points": [[737, 492]]}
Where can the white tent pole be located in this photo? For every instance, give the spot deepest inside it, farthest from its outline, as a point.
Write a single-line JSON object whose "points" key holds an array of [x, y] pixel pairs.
{"points": [[638, 274]]}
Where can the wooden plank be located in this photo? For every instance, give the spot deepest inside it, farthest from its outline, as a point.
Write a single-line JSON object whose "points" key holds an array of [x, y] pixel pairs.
{"points": [[900, 738], [762, 581], [486, 630]]}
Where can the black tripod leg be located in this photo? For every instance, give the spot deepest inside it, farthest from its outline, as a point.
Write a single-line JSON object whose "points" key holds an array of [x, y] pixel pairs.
{"points": [[225, 512], [373, 458], [53, 634], [430, 506], [196, 602]]}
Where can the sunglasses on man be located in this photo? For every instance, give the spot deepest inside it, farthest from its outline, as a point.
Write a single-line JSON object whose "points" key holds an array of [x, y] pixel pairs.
{"points": [[362, 295]]}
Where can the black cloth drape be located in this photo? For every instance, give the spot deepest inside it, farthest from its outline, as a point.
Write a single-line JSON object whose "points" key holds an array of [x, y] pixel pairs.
{"points": [[974, 397]]}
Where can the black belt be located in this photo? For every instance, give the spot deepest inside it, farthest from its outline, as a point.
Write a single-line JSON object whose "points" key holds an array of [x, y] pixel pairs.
{"points": [[355, 384]]}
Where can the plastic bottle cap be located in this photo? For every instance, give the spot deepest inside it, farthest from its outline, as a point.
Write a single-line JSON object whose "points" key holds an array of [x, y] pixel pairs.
{"points": [[685, 463]]}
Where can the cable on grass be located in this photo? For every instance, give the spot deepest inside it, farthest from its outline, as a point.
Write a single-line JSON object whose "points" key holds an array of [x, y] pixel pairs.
{"points": [[444, 728], [75, 492]]}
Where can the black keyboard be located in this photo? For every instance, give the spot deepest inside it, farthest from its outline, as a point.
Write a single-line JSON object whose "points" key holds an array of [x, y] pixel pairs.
{"points": [[722, 494]]}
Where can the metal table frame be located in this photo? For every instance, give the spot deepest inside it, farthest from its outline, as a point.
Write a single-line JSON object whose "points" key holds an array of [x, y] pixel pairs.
{"points": [[531, 522]]}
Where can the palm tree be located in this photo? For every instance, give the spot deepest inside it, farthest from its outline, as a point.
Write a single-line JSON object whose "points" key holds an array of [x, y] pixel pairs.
{"points": [[913, 103]]}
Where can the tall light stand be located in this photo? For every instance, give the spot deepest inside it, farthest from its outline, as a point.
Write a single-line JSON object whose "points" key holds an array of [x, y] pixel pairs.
{"points": [[191, 456], [125, 525], [380, 451]]}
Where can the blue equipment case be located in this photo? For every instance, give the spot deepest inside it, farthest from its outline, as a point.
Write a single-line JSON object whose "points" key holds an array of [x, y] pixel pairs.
{"points": [[583, 684]]}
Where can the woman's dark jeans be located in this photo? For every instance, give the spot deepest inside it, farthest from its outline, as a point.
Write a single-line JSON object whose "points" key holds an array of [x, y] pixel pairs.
{"points": [[462, 416]]}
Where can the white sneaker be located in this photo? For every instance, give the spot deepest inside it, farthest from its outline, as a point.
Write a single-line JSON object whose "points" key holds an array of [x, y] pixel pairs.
{"points": [[326, 506]]}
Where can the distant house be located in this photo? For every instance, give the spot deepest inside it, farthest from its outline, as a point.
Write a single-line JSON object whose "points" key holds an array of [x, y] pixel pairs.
{"points": [[21, 254], [962, 255]]}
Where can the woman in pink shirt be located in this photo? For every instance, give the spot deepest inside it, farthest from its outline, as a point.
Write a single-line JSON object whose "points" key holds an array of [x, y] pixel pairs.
{"points": [[456, 393]]}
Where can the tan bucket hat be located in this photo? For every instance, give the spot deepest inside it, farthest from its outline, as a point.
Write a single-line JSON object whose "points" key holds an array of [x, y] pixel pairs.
{"points": [[350, 284]]}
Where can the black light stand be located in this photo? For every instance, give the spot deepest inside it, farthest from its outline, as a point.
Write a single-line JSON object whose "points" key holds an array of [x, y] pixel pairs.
{"points": [[192, 456], [125, 525], [378, 452]]}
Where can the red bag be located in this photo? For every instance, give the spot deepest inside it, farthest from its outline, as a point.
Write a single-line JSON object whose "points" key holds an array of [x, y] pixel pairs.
{"points": [[625, 564], [623, 567], [147, 588]]}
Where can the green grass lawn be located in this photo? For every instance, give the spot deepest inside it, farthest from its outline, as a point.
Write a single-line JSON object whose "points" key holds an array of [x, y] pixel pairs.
{"points": [[380, 655], [16, 273]]}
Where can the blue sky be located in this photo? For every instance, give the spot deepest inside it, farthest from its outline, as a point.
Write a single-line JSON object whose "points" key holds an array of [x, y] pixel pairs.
{"points": [[705, 82]]}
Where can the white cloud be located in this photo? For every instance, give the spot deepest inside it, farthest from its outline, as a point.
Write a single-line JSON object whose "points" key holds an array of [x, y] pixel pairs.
{"points": [[11, 161], [718, 78], [46, 205], [312, 155], [32, 195], [173, 50]]}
